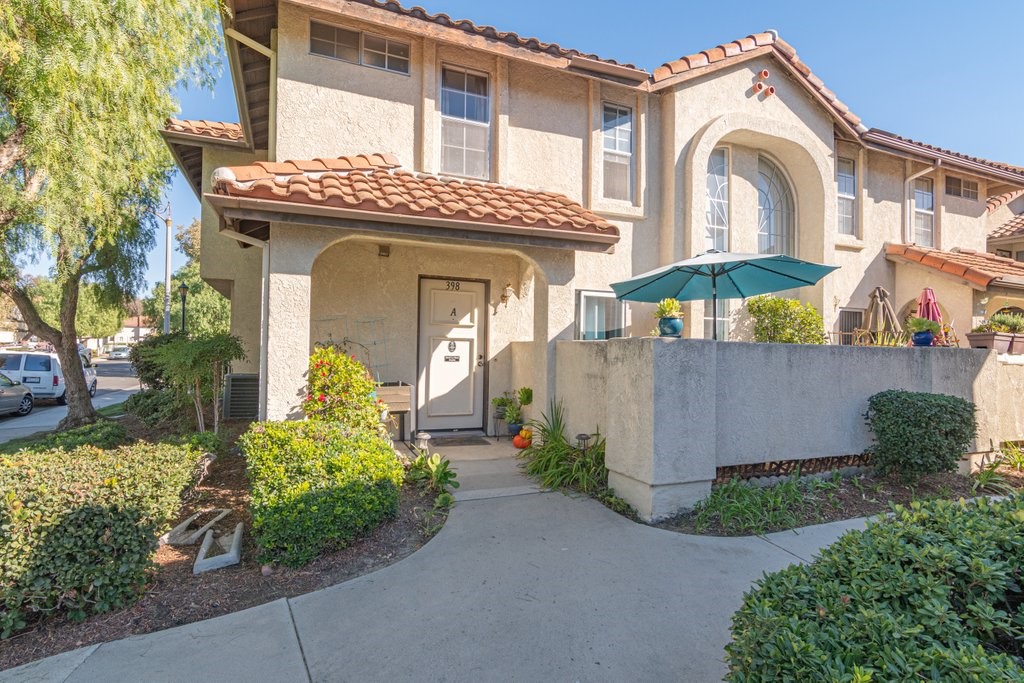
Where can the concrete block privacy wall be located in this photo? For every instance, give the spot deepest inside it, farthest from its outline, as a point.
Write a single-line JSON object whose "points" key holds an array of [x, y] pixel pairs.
{"points": [[673, 410]]}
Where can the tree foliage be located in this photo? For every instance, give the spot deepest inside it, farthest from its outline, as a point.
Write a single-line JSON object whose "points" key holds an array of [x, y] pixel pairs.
{"points": [[193, 366], [96, 316], [206, 310], [85, 87]]}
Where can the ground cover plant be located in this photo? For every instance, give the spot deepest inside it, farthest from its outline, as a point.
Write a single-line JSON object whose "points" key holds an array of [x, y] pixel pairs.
{"points": [[80, 525], [557, 464], [919, 433], [743, 508], [932, 593], [317, 486], [102, 434]]}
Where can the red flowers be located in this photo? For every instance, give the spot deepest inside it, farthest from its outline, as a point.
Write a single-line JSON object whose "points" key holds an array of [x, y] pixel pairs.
{"points": [[321, 398]]}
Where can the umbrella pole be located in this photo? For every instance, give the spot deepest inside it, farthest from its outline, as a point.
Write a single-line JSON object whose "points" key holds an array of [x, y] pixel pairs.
{"points": [[714, 305]]}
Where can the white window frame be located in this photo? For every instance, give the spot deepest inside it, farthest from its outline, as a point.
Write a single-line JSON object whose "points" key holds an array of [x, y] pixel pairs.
{"points": [[361, 49], [711, 231], [964, 188], [929, 213], [616, 153], [464, 120], [850, 196], [790, 237], [724, 319], [581, 310]]}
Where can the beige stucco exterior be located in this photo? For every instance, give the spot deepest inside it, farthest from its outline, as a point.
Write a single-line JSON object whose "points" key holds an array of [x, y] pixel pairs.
{"points": [[545, 133]]}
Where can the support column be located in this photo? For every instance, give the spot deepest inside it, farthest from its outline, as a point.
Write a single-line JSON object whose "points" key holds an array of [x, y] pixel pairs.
{"points": [[288, 327]]}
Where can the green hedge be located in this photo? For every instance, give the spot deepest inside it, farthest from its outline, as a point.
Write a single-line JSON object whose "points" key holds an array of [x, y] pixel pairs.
{"points": [[316, 486], [161, 407], [103, 434], [78, 528], [932, 593], [919, 433]]}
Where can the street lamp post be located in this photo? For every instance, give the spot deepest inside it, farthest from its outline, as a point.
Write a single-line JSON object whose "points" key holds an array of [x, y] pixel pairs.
{"points": [[167, 270], [183, 290]]}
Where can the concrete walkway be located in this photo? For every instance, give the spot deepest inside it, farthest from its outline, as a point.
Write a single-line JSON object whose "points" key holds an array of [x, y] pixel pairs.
{"points": [[519, 585]]}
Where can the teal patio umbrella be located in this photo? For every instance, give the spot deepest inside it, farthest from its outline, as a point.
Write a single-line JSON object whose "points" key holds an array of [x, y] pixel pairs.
{"points": [[721, 274]]}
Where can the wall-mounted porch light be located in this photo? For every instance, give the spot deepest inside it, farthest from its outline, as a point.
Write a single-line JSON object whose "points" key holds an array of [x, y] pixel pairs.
{"points": [[507, 294]]}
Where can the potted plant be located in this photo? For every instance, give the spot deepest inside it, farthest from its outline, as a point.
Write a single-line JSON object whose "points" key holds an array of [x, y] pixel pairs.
{"points": [[501, 404], [922, 331], [991, 334], [670, 318], [510, 408], [514, 418], [1014, 324]]}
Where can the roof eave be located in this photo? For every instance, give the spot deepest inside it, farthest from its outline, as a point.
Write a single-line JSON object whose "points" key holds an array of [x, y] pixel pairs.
{"points": [[885, 143], [205, 140], [225, 204], [761, 51], [903, 260], [1006, 239]]}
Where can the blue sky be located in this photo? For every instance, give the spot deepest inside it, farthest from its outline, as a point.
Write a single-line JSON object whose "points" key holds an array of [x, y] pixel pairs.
{"points": [[946, 73]]}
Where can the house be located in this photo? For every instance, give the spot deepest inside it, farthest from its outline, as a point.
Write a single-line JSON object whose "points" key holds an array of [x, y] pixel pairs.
{"points": [[133, 330], [450, 200]]}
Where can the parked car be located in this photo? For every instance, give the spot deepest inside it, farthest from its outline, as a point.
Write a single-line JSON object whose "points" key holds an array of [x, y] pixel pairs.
{"points": [[119, 353], [85, 352], [42, 373], [15, 397]]}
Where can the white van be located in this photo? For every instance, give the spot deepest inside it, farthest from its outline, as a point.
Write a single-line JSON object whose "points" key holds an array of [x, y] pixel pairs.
{"points": [[42, 374]]}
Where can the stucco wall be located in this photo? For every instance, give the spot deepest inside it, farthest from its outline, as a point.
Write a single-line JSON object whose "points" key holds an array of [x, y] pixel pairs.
{"points": [[674, 410], [232, 270]]}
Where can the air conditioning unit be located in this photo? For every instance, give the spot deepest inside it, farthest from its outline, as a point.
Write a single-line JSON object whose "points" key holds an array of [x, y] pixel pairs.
{"points": [[242, 396]]}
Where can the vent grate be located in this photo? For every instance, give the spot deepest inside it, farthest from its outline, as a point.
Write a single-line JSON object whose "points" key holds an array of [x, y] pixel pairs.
{"points": [[242, 396]]}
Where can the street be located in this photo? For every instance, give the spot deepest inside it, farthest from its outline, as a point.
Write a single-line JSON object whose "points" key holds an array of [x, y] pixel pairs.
{"points": [[116, 382]]}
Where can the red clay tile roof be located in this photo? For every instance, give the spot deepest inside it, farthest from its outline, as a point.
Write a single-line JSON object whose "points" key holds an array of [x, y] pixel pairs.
{"points": [[467, 26], [1016, 173], [1011, 228], [993, 203], [217, 130], [980, 268], [759, 43], [375, 183]]}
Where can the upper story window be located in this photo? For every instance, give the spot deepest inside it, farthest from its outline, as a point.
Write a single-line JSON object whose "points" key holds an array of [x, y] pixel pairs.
{"points": [[617, 127], [958, 187], [717, 229], [924, 212], [846, 191], [358, 48], [465, 123], [775, 210]]}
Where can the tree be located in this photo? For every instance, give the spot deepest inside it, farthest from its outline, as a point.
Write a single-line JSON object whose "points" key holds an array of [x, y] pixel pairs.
{"points": [[206, 310], [188, 238], [96, 317], [85, 87]]}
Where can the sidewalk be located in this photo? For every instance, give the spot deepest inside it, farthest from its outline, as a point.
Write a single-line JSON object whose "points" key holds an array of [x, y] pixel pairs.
{"points": [[517, 586]]}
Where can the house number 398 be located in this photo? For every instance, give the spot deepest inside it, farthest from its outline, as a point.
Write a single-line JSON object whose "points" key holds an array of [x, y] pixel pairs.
{"points": [[452, 285]]}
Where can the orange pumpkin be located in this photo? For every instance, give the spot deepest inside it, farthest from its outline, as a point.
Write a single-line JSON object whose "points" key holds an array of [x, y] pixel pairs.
{"points": [[519, 442]]}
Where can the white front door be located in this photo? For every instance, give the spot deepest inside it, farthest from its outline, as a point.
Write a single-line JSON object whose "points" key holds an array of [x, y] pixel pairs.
{"points": [[451, 354]]}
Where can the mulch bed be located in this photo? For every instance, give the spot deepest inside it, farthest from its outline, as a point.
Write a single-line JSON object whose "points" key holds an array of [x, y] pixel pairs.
{"points": [[175, 597], [849, 502]]}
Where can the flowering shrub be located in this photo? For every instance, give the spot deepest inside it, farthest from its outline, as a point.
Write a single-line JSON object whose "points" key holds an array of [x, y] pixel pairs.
{"points": [[340, 390]]}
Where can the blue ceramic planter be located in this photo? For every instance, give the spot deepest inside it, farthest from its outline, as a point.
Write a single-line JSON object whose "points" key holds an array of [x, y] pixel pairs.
{"points": [[923, 338], [670, 327], [514, 428]]}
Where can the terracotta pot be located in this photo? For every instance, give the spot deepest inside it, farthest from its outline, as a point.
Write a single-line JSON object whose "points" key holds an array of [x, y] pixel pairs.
{"points": [[998, 341]]}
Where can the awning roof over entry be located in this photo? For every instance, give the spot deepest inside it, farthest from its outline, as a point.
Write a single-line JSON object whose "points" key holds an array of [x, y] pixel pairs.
{"points": [[374, 187]]}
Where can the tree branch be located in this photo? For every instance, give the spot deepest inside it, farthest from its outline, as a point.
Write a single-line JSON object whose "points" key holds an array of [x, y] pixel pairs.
{"points": [[29, 313], [12, 149]]}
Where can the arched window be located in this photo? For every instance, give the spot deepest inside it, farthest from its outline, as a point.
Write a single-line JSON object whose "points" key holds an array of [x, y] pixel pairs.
{"points": [[717, 229], [775, 215]]}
